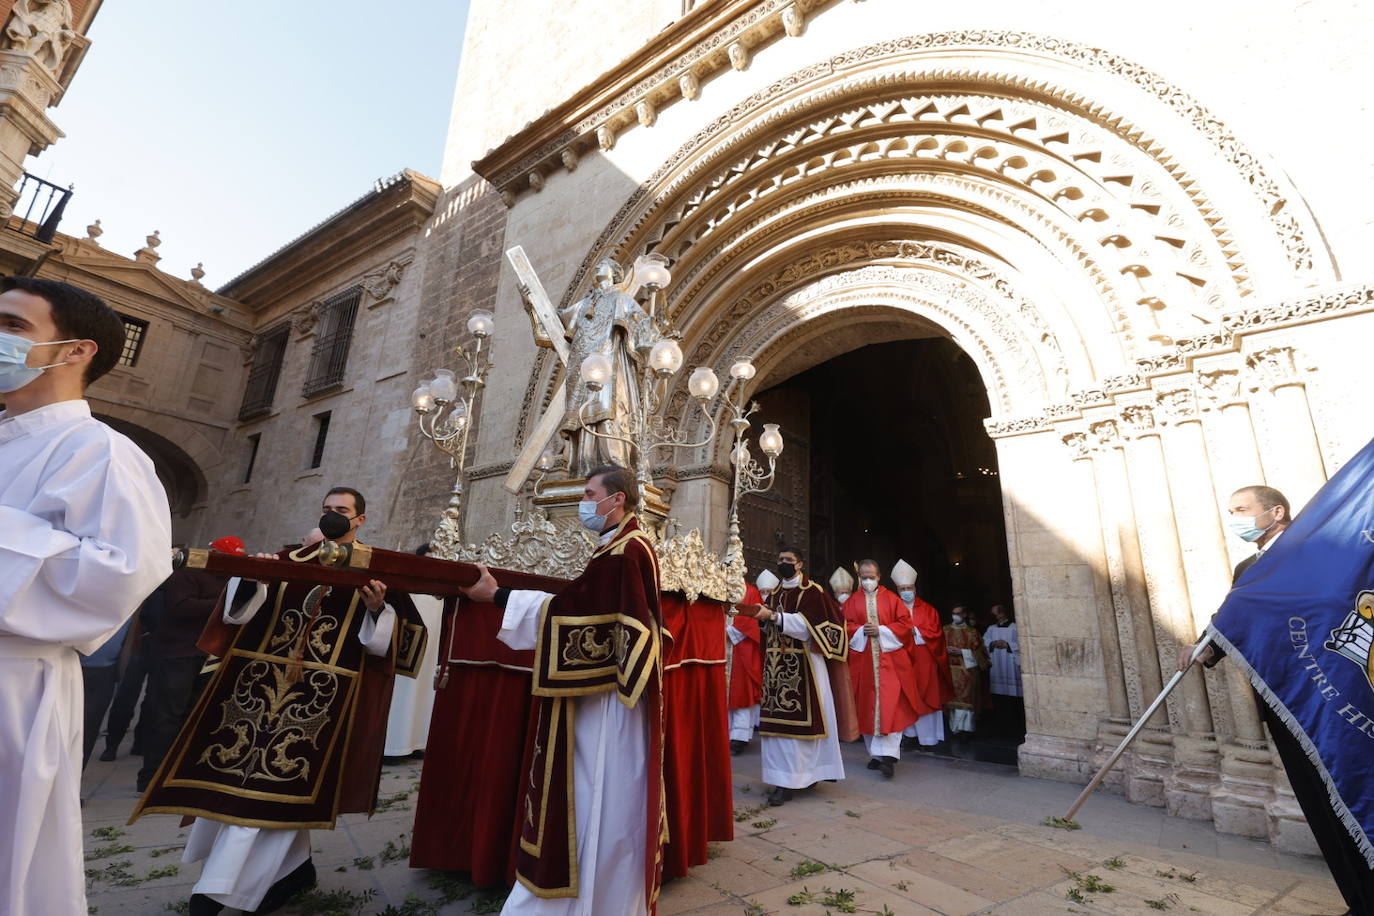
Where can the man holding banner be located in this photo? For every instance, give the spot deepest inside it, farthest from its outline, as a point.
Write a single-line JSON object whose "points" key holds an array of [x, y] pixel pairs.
{"points": [[1301, 626]]}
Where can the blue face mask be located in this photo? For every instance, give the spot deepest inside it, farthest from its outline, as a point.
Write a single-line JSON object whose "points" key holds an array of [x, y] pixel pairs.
{"points": [[586, 513], [15, 372], [1246, 529]]}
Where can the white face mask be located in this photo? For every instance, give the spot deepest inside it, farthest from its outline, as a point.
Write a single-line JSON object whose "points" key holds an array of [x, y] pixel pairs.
{"points": [[957, 618], [869, 584], [842, 597], [908, 595]]}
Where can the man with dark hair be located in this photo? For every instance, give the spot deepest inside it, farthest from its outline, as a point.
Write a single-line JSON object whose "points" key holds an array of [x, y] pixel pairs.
{"points": [[1259, 515], [598, 723], [357, 509], [288, 733], [85, 535]]}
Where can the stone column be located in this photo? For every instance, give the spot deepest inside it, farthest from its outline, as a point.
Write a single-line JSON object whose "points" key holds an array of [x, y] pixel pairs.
{"points": [[1294, 434], [1112, 610], [1243, 791], [1188, 788], [1151, 756]]}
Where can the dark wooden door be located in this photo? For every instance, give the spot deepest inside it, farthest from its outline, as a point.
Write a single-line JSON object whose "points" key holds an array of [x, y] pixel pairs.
{"points": [[781, 517]]}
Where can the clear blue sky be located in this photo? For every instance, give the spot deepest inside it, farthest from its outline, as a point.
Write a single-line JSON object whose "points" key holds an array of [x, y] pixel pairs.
{"points": [[234, 127]]}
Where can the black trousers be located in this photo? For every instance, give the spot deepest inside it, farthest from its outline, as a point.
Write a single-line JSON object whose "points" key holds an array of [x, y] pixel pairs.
{"points": [[98, 687], [126, 698], [173, 688], [1349, 869]]}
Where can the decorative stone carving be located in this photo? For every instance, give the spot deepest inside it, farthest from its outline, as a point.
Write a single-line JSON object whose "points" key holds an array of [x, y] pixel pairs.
{"points": [[793, 21], [198, 272], [148, 252], [380, 283], [998, 428], [306, 319], [1358, 299], [1140, 419], [569, 159], [605, 138], [645, 113], [1105, 434], [1275, 366], [1077, 444], [536, 180], [43, 28], [93, 231], [1179, 405], [739, 56], [1219, 388], [689, 86]]}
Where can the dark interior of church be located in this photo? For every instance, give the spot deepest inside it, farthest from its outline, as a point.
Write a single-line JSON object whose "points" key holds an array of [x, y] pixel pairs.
{"points": [[886, 458]]}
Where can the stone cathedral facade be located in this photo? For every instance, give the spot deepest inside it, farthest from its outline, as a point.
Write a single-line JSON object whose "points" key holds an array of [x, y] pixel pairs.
{"points": [[1147, 229]]}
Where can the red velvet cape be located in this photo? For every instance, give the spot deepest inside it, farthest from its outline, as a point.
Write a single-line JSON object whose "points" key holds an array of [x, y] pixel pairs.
{"points": [[602, 632], [931, 660], [746, 657]]}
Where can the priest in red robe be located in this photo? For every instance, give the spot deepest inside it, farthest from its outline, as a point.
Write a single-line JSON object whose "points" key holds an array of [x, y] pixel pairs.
{"points": [[591, 812], [746, 664], [930, 663], [881, 668]]}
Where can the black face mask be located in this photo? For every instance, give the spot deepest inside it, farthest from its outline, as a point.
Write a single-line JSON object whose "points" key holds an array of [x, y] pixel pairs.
{"points": [[787, 570], [334, 525]]}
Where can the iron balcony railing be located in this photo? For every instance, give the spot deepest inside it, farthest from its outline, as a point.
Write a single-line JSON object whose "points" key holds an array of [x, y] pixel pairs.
{"points": [[39, 207]]}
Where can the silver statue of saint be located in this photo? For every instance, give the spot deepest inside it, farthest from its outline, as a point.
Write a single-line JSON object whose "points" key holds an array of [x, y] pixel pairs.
{"points": [[607, 320]]}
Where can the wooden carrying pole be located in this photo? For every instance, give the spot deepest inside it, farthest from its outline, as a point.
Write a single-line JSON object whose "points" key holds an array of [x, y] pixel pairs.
{"points": [[1135, 730]]}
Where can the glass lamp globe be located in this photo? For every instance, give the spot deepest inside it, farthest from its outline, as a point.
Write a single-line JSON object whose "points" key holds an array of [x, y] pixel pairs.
{"points": [[442, 387], [422, 400], [743, 370], [703, 384], [481, 323], [666, 356], [596, 371], [770, 440], [651, 270]]}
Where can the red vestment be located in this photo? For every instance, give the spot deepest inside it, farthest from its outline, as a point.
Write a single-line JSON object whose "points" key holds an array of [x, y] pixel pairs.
{"points": [[602, 632], [696, 746], [931, 661], [900, 702], [746, 659]]}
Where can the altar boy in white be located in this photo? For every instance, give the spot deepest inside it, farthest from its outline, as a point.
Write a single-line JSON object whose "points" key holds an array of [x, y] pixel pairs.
{"points": [[85, 536]]}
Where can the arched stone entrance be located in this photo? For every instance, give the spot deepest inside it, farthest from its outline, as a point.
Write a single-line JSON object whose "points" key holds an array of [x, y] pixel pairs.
{"points": [[1096, 241]]}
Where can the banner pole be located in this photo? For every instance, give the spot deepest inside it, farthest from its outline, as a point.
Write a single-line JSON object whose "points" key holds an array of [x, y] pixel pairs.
{"points": [[1135, 729]]}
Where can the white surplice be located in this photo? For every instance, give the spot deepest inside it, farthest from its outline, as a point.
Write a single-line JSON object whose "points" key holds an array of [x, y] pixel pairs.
{"points": [[85, 536], [412, 699], [795, 763], [242, 863], [1006, 663], [610, 788]]}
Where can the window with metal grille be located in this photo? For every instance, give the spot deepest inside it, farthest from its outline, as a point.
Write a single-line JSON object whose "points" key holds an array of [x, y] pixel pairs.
{"points": [[263, 374], [321, 434], [253, 442], [134, 332], [329, 358]]}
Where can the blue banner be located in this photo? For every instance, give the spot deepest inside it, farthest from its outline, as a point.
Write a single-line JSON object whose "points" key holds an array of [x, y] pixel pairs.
{"points": [[1300, 623]]}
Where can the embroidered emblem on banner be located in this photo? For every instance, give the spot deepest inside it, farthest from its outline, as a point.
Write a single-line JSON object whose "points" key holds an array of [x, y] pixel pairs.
{"points": [[1354, 638]]}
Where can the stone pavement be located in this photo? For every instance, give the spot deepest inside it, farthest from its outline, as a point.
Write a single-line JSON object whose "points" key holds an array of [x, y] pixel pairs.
{"points": [[945, 836]]}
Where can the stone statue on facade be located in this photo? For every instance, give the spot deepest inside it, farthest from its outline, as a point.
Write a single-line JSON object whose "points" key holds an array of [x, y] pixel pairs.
{"points": [[41, 27]]}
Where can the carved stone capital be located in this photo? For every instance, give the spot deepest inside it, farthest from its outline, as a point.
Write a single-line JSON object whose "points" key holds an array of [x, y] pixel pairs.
{"points": [[1077, 444], [1275, 367], [1219, 388], [1140, 420], [1179, 405], [1105, 434]]}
